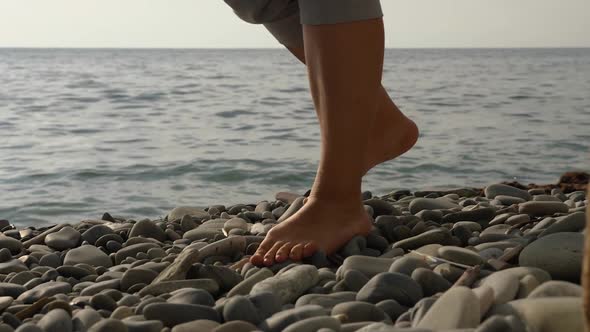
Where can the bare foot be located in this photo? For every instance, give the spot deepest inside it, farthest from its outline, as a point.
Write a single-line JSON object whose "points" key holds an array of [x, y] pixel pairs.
{"points": [[319, 225], [392, 135]]}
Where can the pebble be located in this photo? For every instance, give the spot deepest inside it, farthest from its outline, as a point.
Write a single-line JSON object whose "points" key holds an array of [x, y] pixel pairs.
{"points": [[574, 222], [87, 254], [356, 311], [550, 314], [420, 204], [172, 314], [460, 255], [204, 325], [560, 254], [44, 290], [57, 320], [395, 286], [536, 208], [279, 321], [180, 267], [240, 308], [108, 325], [15, 246], [290, 284], [147, 229], [169, 286], [556, 288], [407, 264], [65, 238], [438, 236], [137, 276], [430, 282], [235, 326], [494, 190], [314, 324], [143, 326], [191, 296], [369, 266], [180, 211], [458, 308]]}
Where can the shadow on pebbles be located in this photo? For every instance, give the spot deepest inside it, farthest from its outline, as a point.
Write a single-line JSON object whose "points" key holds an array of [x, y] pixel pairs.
{"points": [[504, 259]]}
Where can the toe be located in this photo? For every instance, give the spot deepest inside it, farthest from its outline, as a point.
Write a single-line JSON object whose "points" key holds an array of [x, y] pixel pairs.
{"points": [[309, 249], [269, 257], [258, 257], [283, 253], [296, 252]]}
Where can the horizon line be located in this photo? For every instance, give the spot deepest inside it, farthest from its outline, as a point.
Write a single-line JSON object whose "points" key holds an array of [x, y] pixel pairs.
{"points": [[282, 48]]}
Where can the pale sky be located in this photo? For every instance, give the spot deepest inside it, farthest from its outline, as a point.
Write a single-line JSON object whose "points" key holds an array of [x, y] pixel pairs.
{"points": [[212, 24]]}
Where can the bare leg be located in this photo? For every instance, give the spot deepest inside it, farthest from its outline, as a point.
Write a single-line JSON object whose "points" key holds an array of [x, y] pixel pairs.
{"points": [[345, 63], [392, 133]]}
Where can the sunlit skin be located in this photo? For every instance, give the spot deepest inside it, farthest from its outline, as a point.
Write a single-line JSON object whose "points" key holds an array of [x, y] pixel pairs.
{"points": [[360, 127]]}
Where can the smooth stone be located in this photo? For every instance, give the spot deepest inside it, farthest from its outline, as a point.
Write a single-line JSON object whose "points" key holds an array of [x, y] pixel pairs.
{"points": [[180, 211], [574, 222], [169, 286], [546, 198], [171, 314], [457, 308], [395, 286], [133, 250], [407, 264], [15, 246], [12, 290], [289, 285], [23, 277], [470, 225], [549, 314], [5, 255], [314, 324], [102, 301], [201, 325], [491, 253], [65, 238], [28, 327], [108, 325], [560, 254], [528, 283], [392, 308], [95, 232], [87, 317], [279, 321], [354, 280], [518, 219], [240, 308], [369, 266], [479, 215], [245, 286], [356, 311], [207, 230], [485, 295], [381, 207], [494, 190], [235, 326], [224, 276], [57, 320], [500, 279], [5, 302], [420, 204], [13, 265], [45, 290], [87, 254], [95, 288], [191, 296], [180, 266], [267, 304], [143, 326], [430, 282], [556, 288], [535, 208], [137, 276], [235, 223], [460, 255], [327, 301], [505, 287], [509, 200], [225, 247], [72, 271], [495, 323], [381, 327], [149, 229], [439, 236]]}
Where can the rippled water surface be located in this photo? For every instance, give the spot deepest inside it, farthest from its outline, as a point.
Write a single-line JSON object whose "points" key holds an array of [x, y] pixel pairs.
{"points": [[136, 132]]}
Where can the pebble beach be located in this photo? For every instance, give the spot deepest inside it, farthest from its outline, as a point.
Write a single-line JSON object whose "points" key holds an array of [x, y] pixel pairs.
{"points": [[498, 258]]}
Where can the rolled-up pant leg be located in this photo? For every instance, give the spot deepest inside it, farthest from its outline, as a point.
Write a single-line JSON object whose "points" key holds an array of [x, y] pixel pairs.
{"points": [[283, 18]]}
